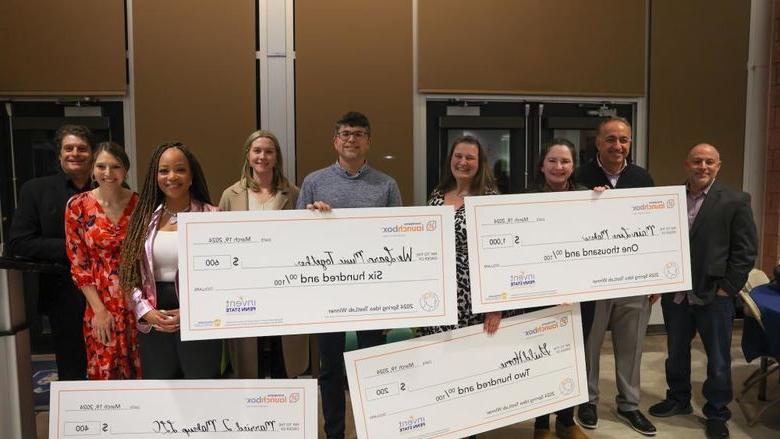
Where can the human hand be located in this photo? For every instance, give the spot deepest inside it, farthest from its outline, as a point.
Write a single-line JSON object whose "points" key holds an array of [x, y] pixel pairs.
{"points": [[162, 320], [653, 298], [320, 206], [102, 323], [600, 189], [492, 321]]}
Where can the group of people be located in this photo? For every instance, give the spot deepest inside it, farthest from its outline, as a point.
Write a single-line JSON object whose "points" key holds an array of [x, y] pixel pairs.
{"points": [[117, 315]]}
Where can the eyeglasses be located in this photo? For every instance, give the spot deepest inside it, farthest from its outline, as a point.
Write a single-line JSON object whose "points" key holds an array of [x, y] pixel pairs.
{"points": [[345, 135], [612, 139]]}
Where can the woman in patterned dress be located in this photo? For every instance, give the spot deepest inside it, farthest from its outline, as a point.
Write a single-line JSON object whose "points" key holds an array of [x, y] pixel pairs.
{"points": [[95, 226], [467, 173]]}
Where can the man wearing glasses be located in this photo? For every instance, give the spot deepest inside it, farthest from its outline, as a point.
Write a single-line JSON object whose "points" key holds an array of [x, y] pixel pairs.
{"points": [[348, 183], [626, 316]]}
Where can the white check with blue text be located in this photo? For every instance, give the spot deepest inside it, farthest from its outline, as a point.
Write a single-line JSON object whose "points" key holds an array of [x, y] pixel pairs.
{"points": [[463, 382], [259, 273], [548, 248], [183, 409]]}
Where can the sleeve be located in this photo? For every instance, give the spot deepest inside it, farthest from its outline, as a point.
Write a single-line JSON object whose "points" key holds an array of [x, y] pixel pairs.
{"points": [[25, 237], [743, 246], [224, 201], [306, 195], [141, 306], [75, 244], [394, 196]]}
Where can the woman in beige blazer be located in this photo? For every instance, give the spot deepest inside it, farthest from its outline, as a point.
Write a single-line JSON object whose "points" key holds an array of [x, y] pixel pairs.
{"points": [[263, 187]]}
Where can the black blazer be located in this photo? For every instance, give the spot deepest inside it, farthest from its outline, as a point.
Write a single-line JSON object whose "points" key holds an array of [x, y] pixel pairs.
{"points": [[633, 176], [723, 243], [38, 232]]}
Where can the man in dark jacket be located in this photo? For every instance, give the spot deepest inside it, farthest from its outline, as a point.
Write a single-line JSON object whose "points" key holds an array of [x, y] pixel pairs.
{"points": [[626, 316], [38, 232], [723, 244]]}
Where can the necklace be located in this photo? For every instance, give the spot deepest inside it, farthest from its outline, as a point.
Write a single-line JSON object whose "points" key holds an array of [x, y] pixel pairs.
{"points": [[172, 215]]}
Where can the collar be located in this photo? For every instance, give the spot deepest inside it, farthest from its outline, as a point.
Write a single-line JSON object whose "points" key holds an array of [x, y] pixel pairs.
{"points": [[346, 173], [68, 182], [702, 193], [625, 163]]}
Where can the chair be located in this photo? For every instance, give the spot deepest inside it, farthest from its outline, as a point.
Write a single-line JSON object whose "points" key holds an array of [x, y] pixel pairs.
{"points": [[768, 365]]}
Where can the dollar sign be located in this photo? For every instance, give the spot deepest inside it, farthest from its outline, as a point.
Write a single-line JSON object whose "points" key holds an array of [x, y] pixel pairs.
{"points": [[235, 262], [403, 386], [105, 427]]}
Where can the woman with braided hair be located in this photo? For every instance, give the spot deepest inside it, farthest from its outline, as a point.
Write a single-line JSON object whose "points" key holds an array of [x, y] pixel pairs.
{"points": [[148, 269]]}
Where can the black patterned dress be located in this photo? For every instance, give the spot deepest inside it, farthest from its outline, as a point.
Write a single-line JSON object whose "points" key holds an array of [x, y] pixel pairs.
{"points": [[465, 316]]}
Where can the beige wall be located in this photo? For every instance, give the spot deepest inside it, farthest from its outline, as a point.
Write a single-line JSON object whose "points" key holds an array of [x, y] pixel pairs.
{"points": [[195, 81], [62, 48], [355, 55], [698, 84], [560, 47]]}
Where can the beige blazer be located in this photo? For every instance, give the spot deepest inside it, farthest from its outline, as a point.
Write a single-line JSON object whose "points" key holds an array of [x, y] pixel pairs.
{"points": [[243, 351]]}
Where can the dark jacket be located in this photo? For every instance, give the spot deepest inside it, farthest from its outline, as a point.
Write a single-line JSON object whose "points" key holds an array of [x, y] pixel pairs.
{"points": [[633, 176], [38, 231], [723, 242]]}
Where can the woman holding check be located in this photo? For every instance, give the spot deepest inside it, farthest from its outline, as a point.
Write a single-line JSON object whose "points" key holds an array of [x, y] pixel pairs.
{"points": [[149, 268], [555, 173], [466, 173], [263, 186]]}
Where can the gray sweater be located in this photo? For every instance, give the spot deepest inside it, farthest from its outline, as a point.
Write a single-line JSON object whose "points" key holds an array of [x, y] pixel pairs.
{"points": [[333, 185]]}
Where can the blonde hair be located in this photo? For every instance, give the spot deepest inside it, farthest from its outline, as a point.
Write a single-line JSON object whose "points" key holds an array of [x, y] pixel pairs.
{"points": [[278, 181]]}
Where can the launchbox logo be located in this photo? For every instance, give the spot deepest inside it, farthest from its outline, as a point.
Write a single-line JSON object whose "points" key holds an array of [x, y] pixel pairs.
{"points": [[407, 228], [543, 327], [649, 206], [411, 424], [269, 399]]}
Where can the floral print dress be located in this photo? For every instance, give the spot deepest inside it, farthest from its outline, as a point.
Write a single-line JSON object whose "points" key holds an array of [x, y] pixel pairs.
{"points": [[93, 243]]}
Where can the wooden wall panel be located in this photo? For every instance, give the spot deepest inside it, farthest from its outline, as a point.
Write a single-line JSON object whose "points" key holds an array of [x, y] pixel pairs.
{"points": [[698, 84], [62, 48], [561, 47], [355, 55], [195, 81]]}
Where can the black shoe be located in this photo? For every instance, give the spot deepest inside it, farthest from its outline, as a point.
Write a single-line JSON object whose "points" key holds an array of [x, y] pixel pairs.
{"points": [[587, 415], [716, 428], [668, 408], [637, 421]]}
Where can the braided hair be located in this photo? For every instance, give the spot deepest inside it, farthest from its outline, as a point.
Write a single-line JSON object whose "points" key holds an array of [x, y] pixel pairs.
{"points": [[151, 197]]}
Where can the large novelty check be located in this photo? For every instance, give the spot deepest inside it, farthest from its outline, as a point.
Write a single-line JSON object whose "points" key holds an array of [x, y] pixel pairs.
{"points": [[184, 409], [556, 247], [260, 273], [463, 382]]}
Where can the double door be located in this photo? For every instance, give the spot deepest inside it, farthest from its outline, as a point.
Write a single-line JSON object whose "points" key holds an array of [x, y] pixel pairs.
{"points": [[513, 133]]}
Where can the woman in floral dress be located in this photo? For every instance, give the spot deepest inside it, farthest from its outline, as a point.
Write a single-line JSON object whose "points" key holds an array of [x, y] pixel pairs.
{"points": [[95, 227]]}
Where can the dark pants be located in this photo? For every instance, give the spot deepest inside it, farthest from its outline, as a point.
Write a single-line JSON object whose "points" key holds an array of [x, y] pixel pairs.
{"points": [[331, 346], [67, 329], [165, 356], [714, 323]]}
